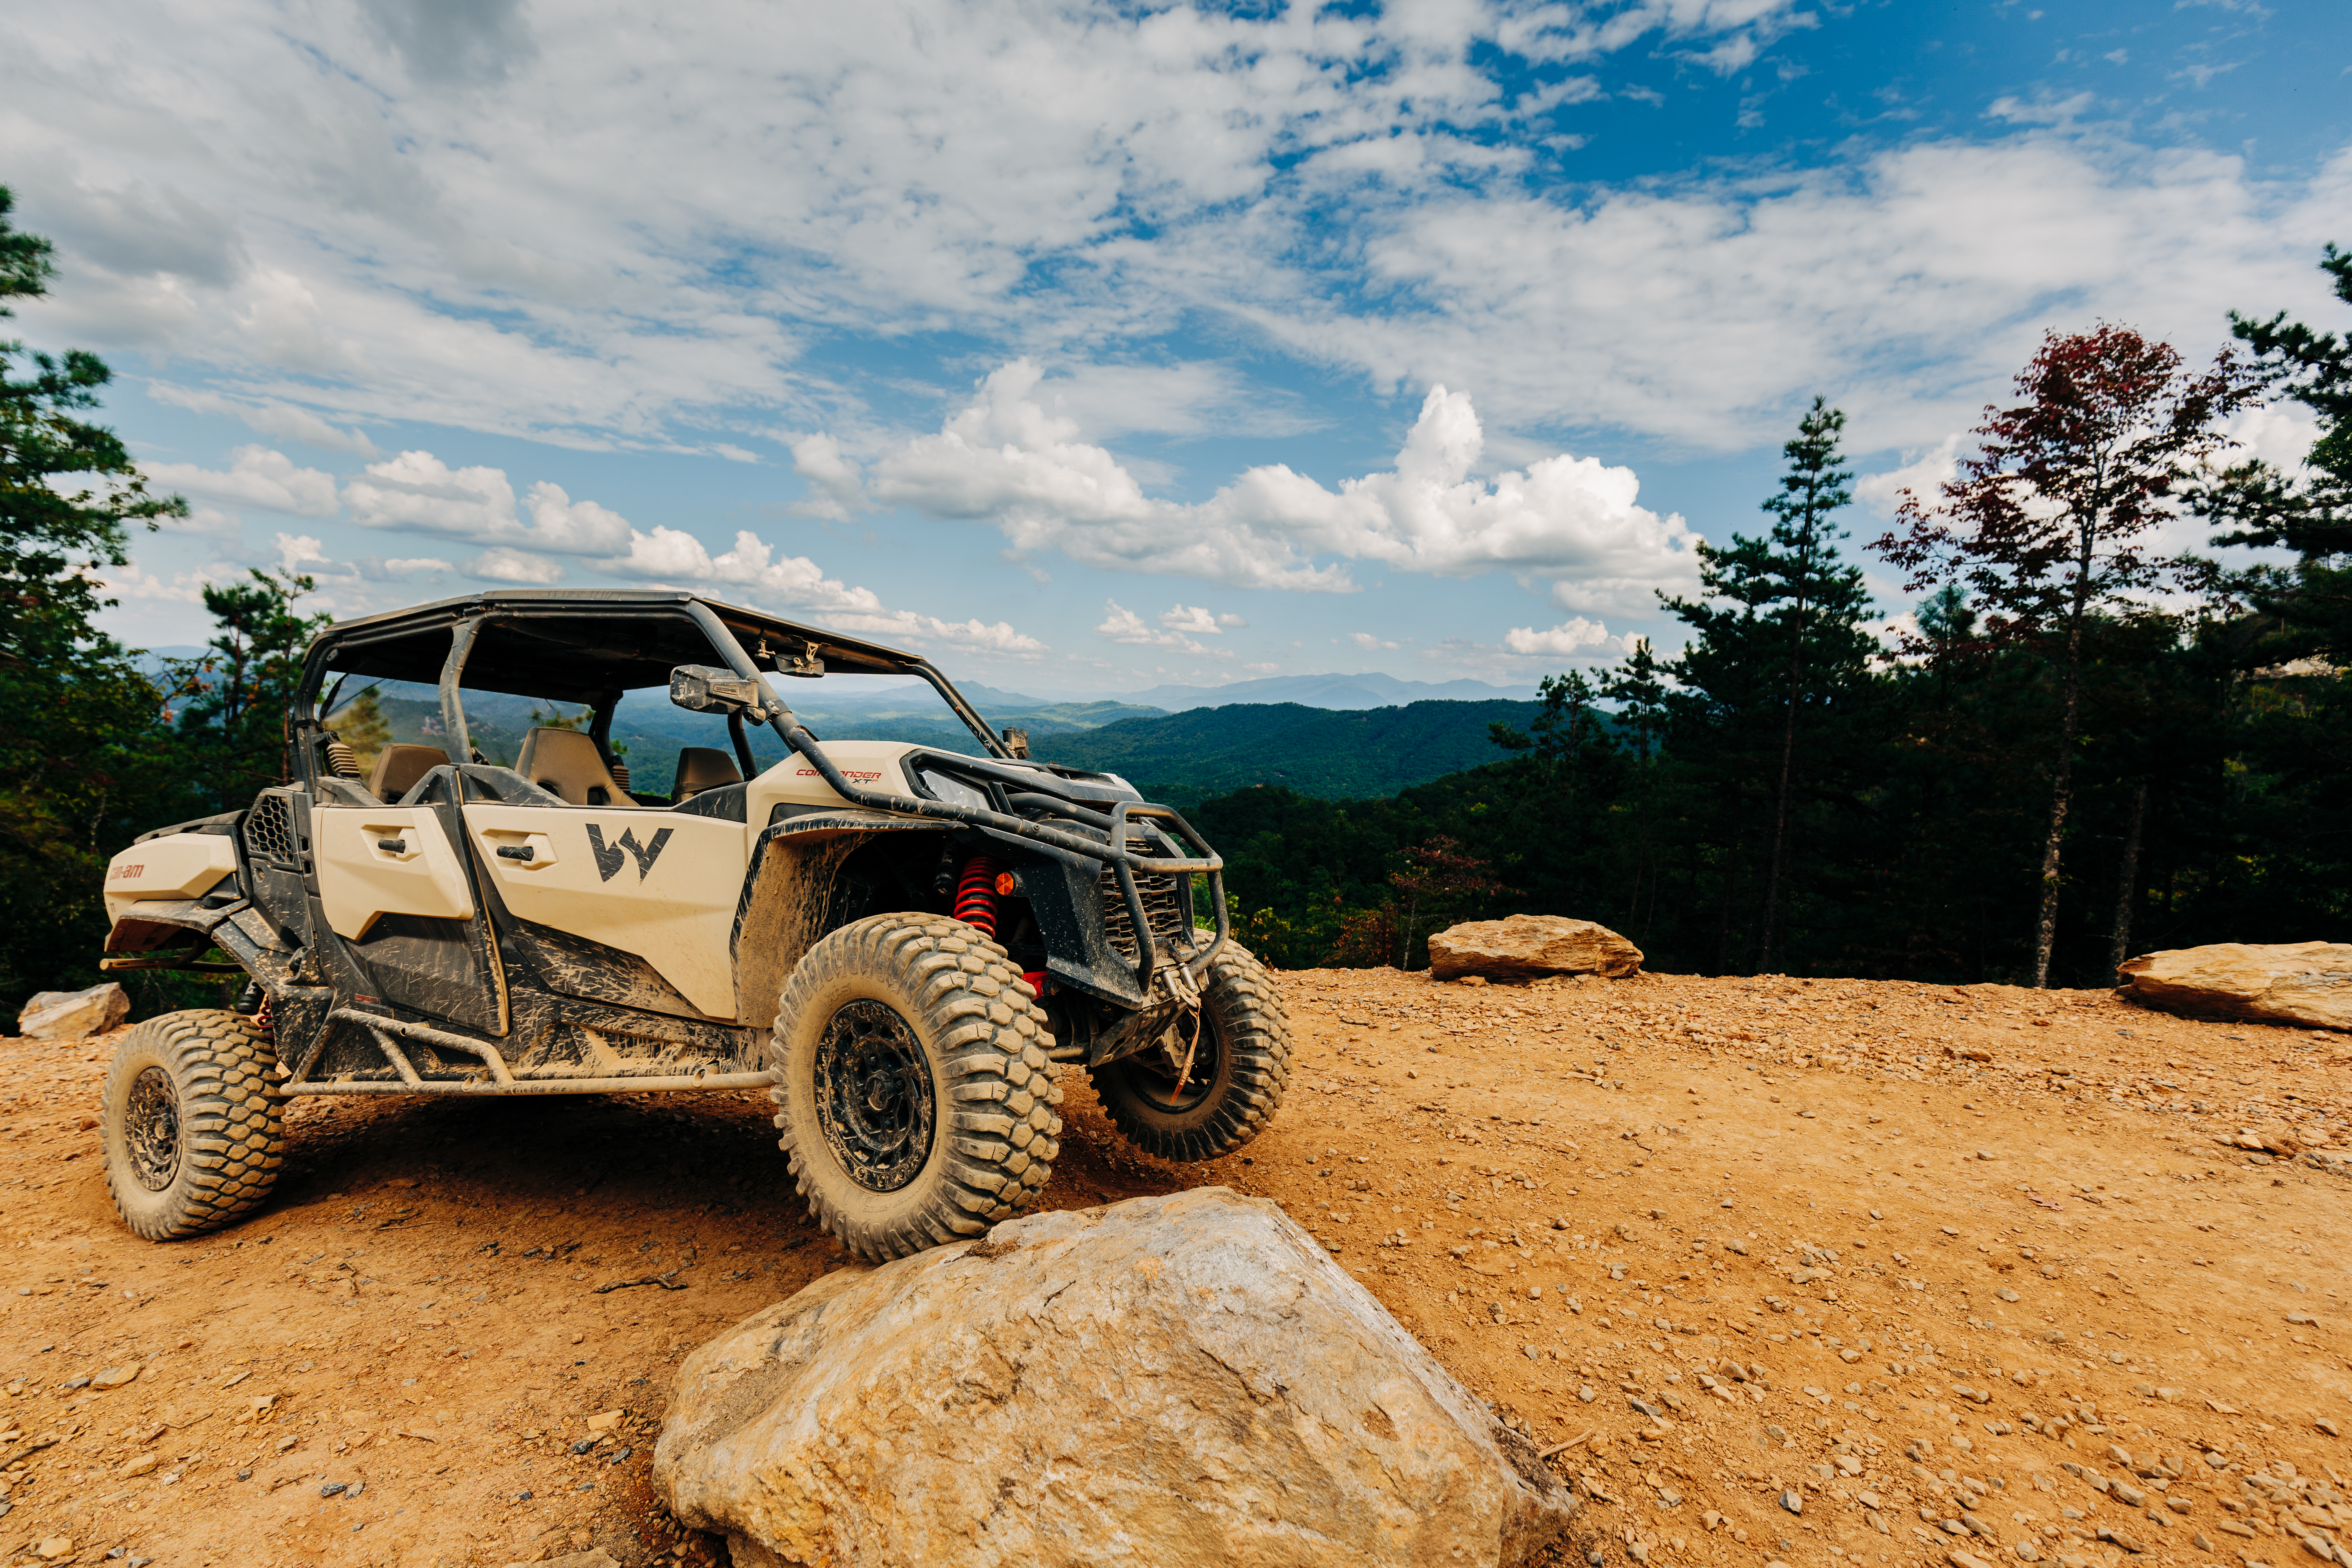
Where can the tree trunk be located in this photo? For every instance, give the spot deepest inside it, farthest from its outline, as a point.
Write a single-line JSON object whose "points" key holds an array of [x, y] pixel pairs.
{"points": [[2045, 933], [1779, 829], [2128, 878]]}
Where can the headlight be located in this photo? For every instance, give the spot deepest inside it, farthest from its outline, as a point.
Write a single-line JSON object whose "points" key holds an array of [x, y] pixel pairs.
{"points": [[954, 790]]}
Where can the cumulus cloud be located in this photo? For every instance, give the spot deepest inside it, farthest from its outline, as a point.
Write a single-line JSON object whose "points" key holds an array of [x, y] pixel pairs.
{"points": [[418, 490], [505, 563], [1371, 644], [257, 477], [1198, 620], [1572, 636], [1003, 459], [1121, 625]]}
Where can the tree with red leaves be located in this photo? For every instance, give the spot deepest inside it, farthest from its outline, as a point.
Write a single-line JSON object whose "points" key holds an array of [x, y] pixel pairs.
{"points": [[2048, 523]]}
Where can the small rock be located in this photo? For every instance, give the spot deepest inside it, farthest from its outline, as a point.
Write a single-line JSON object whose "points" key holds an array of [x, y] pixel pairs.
{"points": [[607, 1420], [51, 1547], [1792, 1502], [1987, 1154], [596, 1558], [71, 1015], [138, 1465], [2005, 1293], [114, 1377], [1959, 1559], [333, 1488]]}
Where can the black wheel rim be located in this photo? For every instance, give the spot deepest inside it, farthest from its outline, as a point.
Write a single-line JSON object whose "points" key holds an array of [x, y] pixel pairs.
{"points": [[151, 1130], [1157, 1064], [874, 1095]]}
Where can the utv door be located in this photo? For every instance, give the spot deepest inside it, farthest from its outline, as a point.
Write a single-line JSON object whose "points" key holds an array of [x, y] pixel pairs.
{"points": [[393, 883], [627, 905]]}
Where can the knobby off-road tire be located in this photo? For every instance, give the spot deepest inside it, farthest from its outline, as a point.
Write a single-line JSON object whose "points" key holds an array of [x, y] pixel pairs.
{"points": [[913, 1091], [191, 1123], [1240, 1069]]}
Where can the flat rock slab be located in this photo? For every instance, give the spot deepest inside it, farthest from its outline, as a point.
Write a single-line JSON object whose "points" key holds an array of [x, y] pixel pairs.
{"points": [[1524, 947], [2292, 982], [71, 1015], [1171, 1381]]}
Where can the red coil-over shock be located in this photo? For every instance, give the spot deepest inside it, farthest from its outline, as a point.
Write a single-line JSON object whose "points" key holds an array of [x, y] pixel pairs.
{"points": [[975, 903]]}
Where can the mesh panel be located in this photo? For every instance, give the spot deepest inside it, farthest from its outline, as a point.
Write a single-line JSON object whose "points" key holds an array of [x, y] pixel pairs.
{"points": [[270, 831], [1163, 906]]}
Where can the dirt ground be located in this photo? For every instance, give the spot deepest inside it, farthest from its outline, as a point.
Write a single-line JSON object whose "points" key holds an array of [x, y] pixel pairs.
{"points": [[1796, 1271]]}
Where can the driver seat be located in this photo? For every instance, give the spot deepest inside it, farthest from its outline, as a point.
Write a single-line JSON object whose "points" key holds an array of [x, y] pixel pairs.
{"points": [[703, 767], [566, 764]]}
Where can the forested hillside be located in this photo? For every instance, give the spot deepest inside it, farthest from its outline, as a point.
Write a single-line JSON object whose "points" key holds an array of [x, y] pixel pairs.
{"points": [[1184, 757]]}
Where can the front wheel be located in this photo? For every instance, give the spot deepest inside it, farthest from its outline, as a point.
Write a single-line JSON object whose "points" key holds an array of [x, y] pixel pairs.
{"points": [[1231, 1089], [192, 1129], [913, 1091]]}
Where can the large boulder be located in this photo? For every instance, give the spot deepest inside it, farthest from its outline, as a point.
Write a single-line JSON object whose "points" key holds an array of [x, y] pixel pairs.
{"points": [[1523, 947], [1165, 1382], [70, 1014], [2288, 983]]}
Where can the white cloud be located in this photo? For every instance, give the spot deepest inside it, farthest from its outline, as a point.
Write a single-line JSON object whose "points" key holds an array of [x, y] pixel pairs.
{"points": [[1121, 625], [416, 489], [1923, 474], [257, 477], [1371, 644], [504, 564], [1197, 620], [1004, 460], [1568, 637], [135, 583], [282, 420], [204, 522], [401, 568], [295, 551]]}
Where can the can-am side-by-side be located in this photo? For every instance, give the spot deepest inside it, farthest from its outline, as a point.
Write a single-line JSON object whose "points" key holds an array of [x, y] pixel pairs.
{"points": [[904, 945]]}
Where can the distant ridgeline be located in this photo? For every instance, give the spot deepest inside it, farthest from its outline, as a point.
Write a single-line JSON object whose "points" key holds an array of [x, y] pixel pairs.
{"points": [[1177, 757]]}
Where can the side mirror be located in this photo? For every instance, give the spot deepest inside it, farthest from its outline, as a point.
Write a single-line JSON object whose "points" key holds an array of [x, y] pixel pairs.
{"points": [[704, 687]]}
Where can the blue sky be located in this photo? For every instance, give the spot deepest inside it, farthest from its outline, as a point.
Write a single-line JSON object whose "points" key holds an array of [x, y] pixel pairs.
{"points": [[1085, 348]]}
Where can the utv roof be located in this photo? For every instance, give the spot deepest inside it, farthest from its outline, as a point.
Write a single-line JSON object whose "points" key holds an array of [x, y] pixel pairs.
{"points": [[578, 644]]}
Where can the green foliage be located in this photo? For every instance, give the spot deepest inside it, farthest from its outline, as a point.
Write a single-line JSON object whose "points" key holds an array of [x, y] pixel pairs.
{"points": [[79, 772], [231, 720], [2309, 603]]}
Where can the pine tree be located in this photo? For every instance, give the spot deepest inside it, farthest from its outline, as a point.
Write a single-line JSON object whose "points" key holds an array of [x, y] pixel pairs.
{"points": [[1639, 689], [2309, 513], [1789, 643]]}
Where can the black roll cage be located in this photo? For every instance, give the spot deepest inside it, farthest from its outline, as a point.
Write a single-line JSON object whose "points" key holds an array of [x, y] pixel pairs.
{"points": [[1000, 775]]}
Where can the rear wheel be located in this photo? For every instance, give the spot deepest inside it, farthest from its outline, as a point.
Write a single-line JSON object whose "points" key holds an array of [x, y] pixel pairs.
{"points": [[191, 1123], [913, 1091], [1240, 1065]]}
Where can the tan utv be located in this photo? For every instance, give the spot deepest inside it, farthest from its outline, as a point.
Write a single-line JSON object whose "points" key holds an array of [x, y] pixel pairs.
{"points": [[904, 945]]}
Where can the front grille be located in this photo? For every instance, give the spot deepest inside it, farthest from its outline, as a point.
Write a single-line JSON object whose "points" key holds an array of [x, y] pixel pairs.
{"points": [[1166, 905], [270, 831]]}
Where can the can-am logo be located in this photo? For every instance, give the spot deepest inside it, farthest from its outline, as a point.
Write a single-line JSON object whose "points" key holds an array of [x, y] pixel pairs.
{"points": [[125, 873], [846, 772], [609, 860]]}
